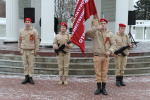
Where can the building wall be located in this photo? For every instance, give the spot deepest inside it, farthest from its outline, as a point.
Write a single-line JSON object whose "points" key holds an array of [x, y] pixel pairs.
{"points": [[37, 5], [121, 13], [13, 19], [2, 28], [110, 25], [88, 22]]}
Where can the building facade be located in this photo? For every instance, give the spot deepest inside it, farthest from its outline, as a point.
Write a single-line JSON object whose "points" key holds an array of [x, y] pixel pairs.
{"points": [[116, 11]]}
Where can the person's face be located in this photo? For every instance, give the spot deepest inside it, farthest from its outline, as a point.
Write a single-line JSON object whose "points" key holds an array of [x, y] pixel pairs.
{"points": [[63, 28], [122, 29], [28, 23], [103, 24]]}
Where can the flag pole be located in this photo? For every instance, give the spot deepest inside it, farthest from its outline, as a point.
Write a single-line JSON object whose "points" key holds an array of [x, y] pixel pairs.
{"points": [[98, 18]]}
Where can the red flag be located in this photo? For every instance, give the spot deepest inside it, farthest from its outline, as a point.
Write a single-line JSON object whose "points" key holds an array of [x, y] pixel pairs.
{"points": [[84, 9]]}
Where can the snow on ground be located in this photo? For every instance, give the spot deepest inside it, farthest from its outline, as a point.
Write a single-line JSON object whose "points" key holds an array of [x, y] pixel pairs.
{"points": [[46, 88]]}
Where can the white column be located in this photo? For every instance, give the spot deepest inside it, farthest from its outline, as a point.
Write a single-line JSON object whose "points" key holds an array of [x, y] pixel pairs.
{"points": [[47, 22], [98, 7], [122, 14], [37, 5], [131, 5], [11, 20]]}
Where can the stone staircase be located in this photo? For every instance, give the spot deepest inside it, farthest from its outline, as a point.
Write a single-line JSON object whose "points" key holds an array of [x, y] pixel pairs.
{"points": [[79, 66]]}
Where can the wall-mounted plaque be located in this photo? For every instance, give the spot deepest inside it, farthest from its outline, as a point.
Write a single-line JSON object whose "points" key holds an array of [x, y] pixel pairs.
{"points": [[109, 9], [23, 4]]}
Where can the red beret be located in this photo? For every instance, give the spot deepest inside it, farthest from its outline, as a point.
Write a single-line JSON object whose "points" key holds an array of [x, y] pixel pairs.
{"points": [[63, 24], [103, 20], [27, 19], [122, 25]]}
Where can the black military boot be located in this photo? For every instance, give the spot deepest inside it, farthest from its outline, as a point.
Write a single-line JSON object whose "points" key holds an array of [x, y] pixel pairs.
{"points": [[104, 92], [98, 89], [118, 81], [31, 80], [26, 80], [121, 81]]}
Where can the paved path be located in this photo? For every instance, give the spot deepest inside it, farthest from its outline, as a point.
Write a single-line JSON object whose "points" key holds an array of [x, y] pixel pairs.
{"points": [[46, 88]]}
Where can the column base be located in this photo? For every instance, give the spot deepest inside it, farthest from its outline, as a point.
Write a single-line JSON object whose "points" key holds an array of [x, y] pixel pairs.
{"points": [[47, 45], [10, 41]]}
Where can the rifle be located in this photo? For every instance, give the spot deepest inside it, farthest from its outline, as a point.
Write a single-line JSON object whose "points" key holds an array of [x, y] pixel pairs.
{"points": [[121, 50], [61, 48]]}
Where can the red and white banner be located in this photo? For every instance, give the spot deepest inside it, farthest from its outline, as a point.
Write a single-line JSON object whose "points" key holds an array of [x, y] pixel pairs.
{"points": [[84, 9]]}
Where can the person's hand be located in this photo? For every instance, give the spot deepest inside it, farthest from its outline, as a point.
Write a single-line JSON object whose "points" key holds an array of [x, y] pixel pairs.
{"points": [[116, 56], [57, 48], [99, 27], [66, 45], [107, 53], [35, 54], [131, 45]]}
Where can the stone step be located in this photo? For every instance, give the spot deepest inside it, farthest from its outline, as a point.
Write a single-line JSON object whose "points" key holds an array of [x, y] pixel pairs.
{"points": [[72, 65], [83, 66], [54, 71], [73, 59], [74, 53]]}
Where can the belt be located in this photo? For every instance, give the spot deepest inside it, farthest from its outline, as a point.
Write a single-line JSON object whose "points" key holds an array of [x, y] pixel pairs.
{"points": [[100, 55]]}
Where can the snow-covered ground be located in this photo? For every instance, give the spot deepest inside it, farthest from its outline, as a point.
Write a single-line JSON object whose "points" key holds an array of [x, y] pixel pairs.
{"points": [[46, 88]]}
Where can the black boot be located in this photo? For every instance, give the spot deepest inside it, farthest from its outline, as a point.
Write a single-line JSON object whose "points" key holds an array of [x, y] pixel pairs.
{"points": [[118, 81], [104, 92], [26, 80], [121, 81], [31, 80], [98, 89]]}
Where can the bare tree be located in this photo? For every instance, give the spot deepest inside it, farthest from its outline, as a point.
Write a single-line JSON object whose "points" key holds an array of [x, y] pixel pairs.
{"points": [[64, 8]]}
